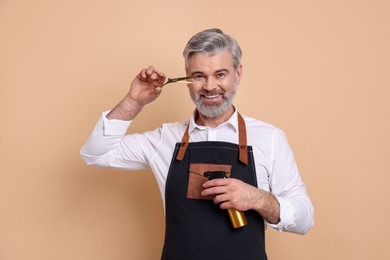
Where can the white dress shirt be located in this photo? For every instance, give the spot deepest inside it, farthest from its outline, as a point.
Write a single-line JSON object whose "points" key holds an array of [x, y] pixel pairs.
{"points": [[276, 170]]}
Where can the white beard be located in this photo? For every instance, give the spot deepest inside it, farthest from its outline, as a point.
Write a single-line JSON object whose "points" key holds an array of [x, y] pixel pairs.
{"points": [[214, 110]]}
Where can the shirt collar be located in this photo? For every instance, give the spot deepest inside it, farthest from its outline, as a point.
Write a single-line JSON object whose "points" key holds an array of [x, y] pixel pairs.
{"points": [[232, 121]]}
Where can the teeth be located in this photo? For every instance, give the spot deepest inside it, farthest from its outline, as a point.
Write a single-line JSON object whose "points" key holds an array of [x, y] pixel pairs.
{"points": [[212, 96]]}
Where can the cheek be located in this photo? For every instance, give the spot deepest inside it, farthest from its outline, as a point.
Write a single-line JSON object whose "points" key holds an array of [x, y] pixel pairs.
{"points": [[228, 84], [193, 92], [228, 80], [196, 84], [194, 87]]}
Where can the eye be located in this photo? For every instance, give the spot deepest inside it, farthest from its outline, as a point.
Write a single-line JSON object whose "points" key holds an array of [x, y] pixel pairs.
{"points": [[199, 77], [221, 74]]}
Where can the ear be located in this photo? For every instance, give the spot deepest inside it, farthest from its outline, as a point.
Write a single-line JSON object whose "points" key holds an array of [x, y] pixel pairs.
{"points": [[239, 74]]}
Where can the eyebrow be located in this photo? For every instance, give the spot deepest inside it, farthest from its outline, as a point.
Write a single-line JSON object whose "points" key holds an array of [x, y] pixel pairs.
{"points": [[218, 71], [196, 72]]}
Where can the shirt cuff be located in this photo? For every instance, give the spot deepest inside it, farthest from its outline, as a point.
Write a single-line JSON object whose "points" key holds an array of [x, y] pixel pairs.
{"points": [[287, 215], [112, 127]]}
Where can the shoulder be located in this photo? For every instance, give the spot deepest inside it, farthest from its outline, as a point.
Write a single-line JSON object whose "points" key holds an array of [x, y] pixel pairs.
{"points": [[174, 130], [175, 126], [261, 131], [253, 123]]}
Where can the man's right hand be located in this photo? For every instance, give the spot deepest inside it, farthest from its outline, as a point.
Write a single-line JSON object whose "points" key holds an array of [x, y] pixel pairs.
{"points": [[145, 88]]}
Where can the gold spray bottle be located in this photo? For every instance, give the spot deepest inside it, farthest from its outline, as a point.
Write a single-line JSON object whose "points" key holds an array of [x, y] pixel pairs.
{"points": [[237, 218]]}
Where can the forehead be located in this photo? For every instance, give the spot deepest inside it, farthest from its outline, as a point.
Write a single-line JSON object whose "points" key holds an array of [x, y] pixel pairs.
{"points": [[208, 64]]}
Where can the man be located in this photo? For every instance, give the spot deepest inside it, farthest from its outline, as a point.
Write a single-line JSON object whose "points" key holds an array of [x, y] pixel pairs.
{"points": [[260, 178]]}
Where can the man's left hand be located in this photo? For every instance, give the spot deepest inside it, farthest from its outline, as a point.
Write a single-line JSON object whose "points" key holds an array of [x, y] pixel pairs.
{"points": [[234, 193]]}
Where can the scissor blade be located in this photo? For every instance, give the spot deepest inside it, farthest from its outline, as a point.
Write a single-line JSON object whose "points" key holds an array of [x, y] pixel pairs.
{"points": [[184, 81], [179, 79]]}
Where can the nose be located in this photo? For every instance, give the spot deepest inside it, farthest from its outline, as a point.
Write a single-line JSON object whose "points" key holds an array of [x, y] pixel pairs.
{"points": [[210, 84]]}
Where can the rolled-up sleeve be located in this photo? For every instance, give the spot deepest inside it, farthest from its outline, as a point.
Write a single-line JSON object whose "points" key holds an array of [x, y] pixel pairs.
{"points": [[296, 209], [108, 146]]}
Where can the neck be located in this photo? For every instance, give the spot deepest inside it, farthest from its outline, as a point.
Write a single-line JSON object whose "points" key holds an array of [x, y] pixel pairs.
{"points": [[214, 121]]}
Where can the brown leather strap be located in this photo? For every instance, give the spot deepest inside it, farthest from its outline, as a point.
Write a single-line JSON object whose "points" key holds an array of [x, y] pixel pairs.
{"points": [[183, 145], [242, 144]]}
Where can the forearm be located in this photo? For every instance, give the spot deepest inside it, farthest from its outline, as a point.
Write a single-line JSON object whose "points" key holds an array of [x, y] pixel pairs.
{"points": [[266, 204], [126, 110]]}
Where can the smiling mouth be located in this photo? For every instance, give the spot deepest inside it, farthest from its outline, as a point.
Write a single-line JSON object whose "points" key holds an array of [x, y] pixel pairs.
{"points": [[211, 97]]}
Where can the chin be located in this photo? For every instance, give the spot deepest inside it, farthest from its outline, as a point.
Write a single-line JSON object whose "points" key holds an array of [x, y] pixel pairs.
{"points": [[212, 111]]}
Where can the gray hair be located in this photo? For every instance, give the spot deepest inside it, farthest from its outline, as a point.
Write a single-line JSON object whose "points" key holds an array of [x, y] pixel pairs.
{"points": [[211, 42]]}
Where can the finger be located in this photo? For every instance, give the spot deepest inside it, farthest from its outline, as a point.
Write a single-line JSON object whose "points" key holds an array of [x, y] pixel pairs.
{"points": [[161, 78], [157, 90], [154, 74], [216, 182], [143, 73], [222, 198], [150, 70], [217, 190], [161, 74], [225, 205]]}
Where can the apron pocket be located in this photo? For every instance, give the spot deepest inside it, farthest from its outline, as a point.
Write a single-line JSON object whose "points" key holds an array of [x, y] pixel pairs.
{"points": [[197, 178]]}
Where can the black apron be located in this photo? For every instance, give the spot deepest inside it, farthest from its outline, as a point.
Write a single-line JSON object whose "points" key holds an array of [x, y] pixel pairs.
{"points": [[198, 228]]}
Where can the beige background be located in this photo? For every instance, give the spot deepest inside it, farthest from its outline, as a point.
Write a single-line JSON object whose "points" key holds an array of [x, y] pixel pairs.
{"points": [[317, 69]]}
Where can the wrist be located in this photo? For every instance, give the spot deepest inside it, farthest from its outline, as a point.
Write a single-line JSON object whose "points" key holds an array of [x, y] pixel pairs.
{"points": [[132, 104]]}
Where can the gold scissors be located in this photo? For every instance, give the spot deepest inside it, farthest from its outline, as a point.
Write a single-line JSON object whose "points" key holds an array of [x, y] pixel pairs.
{"points": [[178, 80], [157, 90]]}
